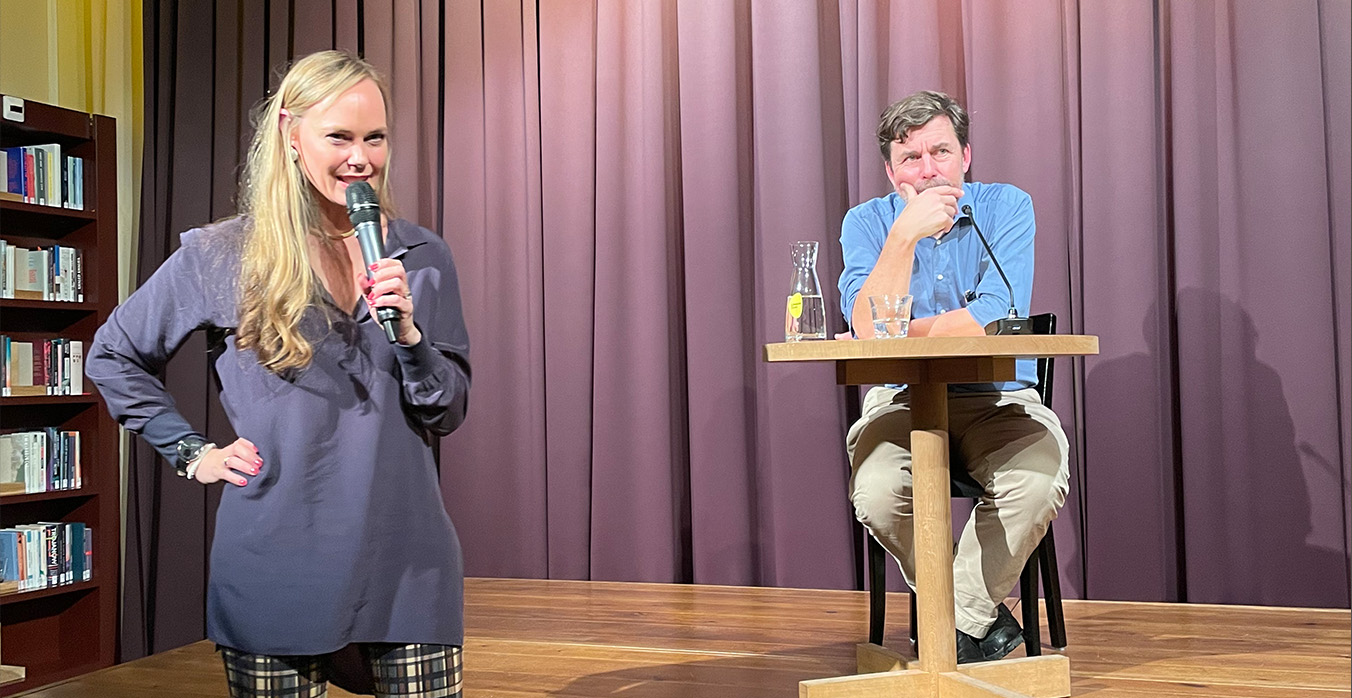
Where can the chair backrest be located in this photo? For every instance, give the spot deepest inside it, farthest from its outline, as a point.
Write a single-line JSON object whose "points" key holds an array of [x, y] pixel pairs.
{"points": [[1044, 323]]}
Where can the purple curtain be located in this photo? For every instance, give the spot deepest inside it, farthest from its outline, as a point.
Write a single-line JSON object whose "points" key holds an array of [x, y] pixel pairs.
{"points": [[627, 177], [620, 182]]}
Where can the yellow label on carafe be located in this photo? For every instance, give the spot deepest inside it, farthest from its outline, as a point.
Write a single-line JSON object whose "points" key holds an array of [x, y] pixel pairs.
{"points": [[796, 305]]}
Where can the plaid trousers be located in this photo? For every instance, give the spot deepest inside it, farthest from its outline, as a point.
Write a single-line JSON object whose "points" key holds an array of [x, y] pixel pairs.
{"points": [[414, 671]]}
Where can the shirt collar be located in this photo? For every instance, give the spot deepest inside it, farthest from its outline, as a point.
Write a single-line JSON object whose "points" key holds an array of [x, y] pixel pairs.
{"points": [[395, 245]]}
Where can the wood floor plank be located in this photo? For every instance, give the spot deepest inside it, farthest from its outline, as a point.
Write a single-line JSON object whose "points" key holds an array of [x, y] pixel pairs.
{"points": [[531, 638]]}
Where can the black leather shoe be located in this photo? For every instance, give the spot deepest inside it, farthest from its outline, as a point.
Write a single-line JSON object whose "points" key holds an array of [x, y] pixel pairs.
{"points": [[969, 649], [1003, 636]]}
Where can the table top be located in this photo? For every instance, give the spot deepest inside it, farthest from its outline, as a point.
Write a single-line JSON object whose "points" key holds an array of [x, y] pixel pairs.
{"points": [[1000, 346]]}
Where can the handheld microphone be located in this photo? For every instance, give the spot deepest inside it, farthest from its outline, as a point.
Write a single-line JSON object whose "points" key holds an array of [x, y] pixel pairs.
{"points": [[364, 211], [1012, 324]]}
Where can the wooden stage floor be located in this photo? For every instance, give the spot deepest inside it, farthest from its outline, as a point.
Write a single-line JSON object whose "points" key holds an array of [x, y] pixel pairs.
{"points": [[598, 639]]}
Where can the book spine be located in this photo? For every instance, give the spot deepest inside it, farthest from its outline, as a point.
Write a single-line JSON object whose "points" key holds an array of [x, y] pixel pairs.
{"points": [[14, 171], [58, 282], [10, 252], [40, 353], [40, 183], [11, 481], [9, 556], [77, 367], [52, 532], [65, 367], [28, 557], [33, 462], [68, 255], [77, 544], [79, 470]]}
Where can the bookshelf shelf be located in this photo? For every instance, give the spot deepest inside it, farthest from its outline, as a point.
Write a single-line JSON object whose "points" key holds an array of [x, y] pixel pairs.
{"points": [[62, 631], [25, 400], [47, 306], [13, 499], [10, 597], [19, 207]]}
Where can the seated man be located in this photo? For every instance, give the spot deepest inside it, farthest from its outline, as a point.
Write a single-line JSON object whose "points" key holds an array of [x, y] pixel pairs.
{"points": [[916, 240]]}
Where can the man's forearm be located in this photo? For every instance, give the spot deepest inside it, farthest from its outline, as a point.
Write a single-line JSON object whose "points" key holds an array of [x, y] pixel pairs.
{"points": [[955, 323], [891, 275]]}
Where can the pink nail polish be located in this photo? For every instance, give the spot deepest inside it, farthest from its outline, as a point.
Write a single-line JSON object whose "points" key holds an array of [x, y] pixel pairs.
{"points": [[374, 267]]}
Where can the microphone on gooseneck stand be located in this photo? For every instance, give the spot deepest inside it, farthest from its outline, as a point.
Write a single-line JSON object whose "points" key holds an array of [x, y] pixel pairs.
{"points": [[364, 211], [1012, 324]]}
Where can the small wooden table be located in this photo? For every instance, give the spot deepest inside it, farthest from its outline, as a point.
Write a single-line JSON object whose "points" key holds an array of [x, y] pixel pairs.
{"points": [[927, 365]]}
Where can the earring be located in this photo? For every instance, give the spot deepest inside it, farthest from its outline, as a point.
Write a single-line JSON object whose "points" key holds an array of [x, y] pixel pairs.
{"points": [[295, 154]]}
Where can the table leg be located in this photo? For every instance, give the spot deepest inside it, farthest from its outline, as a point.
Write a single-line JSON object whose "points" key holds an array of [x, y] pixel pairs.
{"points": [[933, 527]]}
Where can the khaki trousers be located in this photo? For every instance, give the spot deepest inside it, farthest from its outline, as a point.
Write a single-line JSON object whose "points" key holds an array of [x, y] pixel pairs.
{"points": [[1010, 443]]}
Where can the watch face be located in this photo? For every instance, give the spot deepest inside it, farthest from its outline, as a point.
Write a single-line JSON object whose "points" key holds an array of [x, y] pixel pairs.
{"points": [[188, 448]]}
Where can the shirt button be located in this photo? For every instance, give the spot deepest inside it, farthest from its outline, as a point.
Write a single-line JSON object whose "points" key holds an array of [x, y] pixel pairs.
{"points": [[940, 277]]}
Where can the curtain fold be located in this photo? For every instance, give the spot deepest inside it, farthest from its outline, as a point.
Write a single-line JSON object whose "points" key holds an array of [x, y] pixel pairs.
{"points": [[568, 173], [1252, 284], [620, 182], [1123, 253]]}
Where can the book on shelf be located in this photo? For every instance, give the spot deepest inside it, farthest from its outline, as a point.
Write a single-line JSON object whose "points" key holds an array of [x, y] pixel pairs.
{"points": [[4, 172], [45, 554], [41, 174], [42, 367], [45, 460], [53, 273]]}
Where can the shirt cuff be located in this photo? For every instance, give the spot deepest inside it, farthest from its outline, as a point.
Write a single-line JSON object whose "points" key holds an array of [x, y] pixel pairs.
{"points": [[164, 431], [418, 361]]}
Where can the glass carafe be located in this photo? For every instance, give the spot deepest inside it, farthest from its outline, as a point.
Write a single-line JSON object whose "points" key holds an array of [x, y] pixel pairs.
{"points": [[805, 316]]}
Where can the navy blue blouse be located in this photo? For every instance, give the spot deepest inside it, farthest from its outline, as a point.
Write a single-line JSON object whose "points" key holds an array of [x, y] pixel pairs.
{"points": [[343, 536]]}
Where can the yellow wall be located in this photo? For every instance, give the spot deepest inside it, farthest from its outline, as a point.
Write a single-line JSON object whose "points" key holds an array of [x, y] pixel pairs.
{"points": [[24, 54], [84, 55]]}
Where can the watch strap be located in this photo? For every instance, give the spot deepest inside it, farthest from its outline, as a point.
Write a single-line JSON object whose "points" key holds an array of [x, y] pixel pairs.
{"points": [[191, 471]]}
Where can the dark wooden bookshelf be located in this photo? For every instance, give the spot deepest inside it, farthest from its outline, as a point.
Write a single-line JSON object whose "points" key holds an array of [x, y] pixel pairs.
{"points": [[63, 631]]}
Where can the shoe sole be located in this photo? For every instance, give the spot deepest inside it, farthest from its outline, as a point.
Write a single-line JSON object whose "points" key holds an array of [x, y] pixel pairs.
{"points": [[1018, 640]]}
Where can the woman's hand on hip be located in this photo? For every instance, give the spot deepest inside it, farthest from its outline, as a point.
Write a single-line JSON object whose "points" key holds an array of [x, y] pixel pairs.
{"points": [[230, 463]]}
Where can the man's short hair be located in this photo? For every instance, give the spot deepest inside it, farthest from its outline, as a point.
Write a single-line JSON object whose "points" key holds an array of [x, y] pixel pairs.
{"points": [[899, 119]]}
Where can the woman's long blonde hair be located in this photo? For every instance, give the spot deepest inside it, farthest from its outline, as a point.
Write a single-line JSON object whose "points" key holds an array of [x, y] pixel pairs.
{"points": [[281, 207]]}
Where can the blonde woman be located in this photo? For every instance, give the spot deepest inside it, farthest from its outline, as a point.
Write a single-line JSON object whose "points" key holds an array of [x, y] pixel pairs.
{"points": [[331, 533]]}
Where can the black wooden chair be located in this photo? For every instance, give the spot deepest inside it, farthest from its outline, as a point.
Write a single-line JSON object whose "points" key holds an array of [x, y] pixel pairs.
{"points": [[1044, 557]]}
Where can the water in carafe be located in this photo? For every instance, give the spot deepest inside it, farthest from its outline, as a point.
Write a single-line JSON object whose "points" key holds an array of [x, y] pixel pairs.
{"points": [[805, 316]]}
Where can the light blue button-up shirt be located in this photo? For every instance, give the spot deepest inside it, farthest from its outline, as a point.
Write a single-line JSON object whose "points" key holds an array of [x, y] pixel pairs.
{"points": [[954, 271]]}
